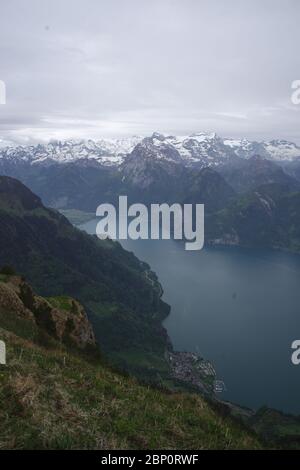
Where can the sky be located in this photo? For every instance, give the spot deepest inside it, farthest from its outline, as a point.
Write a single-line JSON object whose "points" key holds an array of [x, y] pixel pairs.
{"points": [[112, 68]]}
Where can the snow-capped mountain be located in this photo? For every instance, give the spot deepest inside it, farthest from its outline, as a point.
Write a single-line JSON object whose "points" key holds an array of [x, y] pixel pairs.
{"points": [[209, 150], [245, 149], [201, 149], [107, 152], [198, 149], [281, 150], [277, 150]]}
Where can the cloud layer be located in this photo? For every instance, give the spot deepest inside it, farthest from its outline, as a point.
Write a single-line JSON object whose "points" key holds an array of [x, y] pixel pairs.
{"points": [[98, 68]]}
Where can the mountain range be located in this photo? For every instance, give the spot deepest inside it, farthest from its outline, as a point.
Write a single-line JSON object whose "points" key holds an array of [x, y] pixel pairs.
{"points": [[246, 186], [198, 149]]}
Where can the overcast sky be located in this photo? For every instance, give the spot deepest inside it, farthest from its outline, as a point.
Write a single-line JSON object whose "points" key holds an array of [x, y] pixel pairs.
{"points": [[106, 68]]}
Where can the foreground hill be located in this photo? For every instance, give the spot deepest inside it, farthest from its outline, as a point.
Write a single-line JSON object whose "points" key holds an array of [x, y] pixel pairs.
{"points": [[56, 393]]}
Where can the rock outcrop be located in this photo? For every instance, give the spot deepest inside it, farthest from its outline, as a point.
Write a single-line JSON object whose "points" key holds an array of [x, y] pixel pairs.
{"points": [[63, 318]]}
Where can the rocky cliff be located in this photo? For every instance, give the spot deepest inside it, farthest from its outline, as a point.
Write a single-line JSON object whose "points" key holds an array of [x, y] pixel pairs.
{"points": [[62, 318]]}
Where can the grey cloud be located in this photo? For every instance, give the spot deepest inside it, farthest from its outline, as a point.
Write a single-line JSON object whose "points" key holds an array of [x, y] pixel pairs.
{"points": [[95, 68]]}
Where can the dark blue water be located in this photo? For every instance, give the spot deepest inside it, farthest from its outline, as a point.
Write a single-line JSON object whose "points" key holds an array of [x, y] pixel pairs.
{"points": [[238, 308]]}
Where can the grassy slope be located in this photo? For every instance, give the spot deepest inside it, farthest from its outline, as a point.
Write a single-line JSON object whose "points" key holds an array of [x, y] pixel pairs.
{"points": [[52, 397]]}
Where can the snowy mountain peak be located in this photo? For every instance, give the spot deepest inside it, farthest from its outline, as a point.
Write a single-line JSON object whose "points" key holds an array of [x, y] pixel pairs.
{"points": [[107, 152], [282, 150], [200, 149]]}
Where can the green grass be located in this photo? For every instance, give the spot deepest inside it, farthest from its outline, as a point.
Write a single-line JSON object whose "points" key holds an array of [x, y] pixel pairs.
{"points": [[284, 430], [53, 399], [61, 302]]}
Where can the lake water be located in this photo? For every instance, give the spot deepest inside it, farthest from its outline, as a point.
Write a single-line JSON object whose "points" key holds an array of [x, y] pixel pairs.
{"points": [[238, 308]]}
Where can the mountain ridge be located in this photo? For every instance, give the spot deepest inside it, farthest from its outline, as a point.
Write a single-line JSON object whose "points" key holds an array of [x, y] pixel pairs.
{"points": [[201, 149]]}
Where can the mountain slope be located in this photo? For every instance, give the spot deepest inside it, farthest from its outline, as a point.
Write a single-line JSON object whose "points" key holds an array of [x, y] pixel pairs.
{"points": [[73, 186], [152, 176], [209, 188], [165, 179], [292, 168], [246, 175], [267, 217], [120, 293]]}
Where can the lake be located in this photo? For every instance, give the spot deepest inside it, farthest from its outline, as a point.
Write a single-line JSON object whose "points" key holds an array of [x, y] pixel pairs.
{"points": [[238, 308]]}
